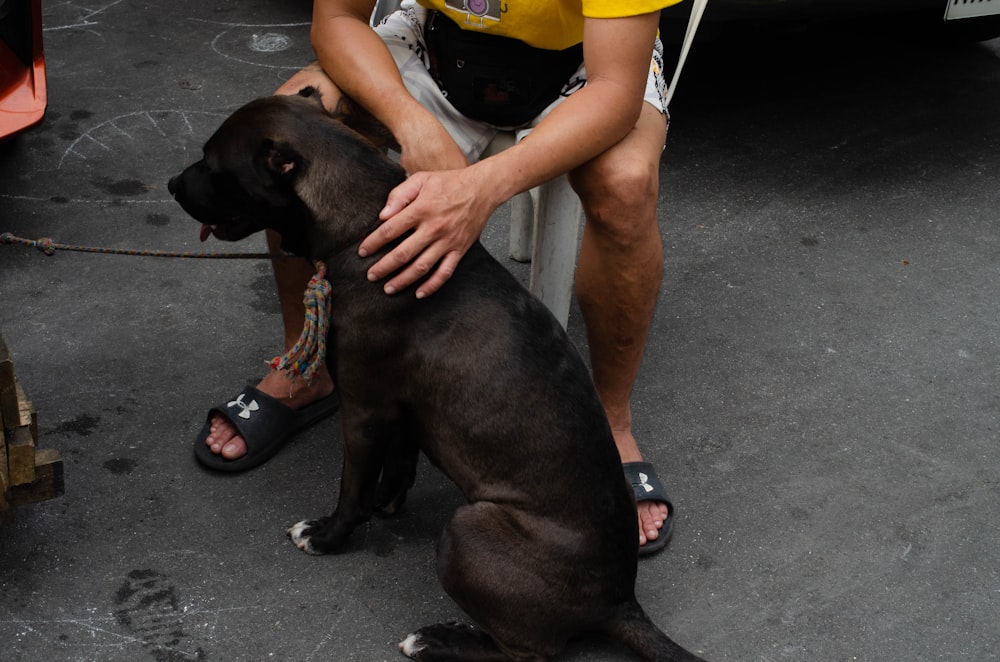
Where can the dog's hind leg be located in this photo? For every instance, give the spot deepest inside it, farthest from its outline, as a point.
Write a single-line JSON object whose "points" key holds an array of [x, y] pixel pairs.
{"points": [[455, 642], [493, 563]]}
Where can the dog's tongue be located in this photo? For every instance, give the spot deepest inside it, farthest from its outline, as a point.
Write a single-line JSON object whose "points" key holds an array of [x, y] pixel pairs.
{"points": [[206, 231]]}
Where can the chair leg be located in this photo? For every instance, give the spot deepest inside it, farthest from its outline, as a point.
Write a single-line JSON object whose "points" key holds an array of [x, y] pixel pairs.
{"points": [[522, 227], [545, 229], [558, 216]]}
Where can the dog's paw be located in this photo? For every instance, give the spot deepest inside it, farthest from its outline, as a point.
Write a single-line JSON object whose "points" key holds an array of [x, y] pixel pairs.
{"points": [[448, 641], [411, 646], [299, 535]]}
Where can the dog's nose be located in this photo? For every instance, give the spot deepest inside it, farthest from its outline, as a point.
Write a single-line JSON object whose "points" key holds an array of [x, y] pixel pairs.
{"points": [[172, 185]]}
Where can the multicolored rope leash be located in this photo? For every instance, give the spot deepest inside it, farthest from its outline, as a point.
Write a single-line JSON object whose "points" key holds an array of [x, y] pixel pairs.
{"points": [[49, 247], [309, 353]]}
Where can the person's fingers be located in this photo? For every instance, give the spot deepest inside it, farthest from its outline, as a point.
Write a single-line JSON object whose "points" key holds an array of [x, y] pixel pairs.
{"points": [[392, 226], [413, 258], [441, 275]]}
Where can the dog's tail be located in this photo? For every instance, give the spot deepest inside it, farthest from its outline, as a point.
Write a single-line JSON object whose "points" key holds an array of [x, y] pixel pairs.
{"points": [[634, 629]]}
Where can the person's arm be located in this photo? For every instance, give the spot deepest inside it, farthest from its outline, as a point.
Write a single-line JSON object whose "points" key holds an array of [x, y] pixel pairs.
{"points": [[360, 65], [448, 210]]}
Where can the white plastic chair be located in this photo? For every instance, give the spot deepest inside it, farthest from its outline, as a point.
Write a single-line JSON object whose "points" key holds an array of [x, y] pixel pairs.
{"points": [[545, 221]]}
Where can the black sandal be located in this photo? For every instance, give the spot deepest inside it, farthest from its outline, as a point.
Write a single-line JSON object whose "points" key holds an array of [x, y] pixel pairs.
{"points": [[265, 425], [646, 486]]}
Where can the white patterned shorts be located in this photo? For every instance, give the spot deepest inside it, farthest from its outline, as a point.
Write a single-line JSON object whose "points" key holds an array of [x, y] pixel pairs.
{"points": [[403, 34]]}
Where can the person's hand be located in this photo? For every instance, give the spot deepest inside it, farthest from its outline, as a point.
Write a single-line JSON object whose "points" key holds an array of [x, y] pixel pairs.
{"points": [[313, 76], [446, 211]]}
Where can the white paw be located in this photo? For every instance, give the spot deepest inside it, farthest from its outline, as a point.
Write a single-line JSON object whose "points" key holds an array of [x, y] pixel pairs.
{"points": [[296, 533], [411, 646]]}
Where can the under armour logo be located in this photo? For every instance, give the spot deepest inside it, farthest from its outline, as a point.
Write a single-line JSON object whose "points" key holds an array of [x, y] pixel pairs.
{"points": [[245, 408], [643, 478]]}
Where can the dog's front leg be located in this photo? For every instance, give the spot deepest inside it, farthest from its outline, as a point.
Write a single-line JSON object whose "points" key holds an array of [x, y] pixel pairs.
{"points": [[365, 440], [399, 471]]}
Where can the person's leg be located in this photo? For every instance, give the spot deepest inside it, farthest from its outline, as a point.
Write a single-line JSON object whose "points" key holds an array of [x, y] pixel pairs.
{"points": [[402, 34], [291, 275], [619, 274]]}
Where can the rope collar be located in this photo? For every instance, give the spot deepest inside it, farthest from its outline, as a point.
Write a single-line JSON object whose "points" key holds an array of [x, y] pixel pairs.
{"points": [[309, 353]]}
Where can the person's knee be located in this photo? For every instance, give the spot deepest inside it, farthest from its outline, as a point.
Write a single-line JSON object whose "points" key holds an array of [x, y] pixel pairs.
{"points": [[619, 195]]}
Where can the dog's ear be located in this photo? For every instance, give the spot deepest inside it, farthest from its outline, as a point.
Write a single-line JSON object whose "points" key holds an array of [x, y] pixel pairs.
{"points": [[312, 94], [281, 160]]}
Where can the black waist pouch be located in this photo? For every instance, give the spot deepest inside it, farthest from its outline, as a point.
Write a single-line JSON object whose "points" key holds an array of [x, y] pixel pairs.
{"points": [[495, 79]]}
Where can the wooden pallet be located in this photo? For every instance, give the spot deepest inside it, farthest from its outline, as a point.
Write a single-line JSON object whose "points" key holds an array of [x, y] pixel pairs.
{"points": [[27, 474]]}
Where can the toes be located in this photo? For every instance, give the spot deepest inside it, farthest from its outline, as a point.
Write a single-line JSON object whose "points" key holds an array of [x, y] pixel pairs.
{"points": [[235, 448], [652, 515], [223, 439]]}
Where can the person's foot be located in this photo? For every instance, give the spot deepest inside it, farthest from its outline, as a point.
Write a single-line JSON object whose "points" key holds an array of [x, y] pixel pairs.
{"points": [[651, 514], [224, 440]]}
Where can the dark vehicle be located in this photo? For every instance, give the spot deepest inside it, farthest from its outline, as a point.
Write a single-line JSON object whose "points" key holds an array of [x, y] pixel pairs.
{"points": [[967, 20]]}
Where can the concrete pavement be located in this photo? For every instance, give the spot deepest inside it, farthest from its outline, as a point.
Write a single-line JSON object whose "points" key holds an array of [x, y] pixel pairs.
{"points": [[820, 390]]}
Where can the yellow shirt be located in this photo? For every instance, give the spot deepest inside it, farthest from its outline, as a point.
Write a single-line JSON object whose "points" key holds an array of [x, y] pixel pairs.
{"points": [[551, 24]]}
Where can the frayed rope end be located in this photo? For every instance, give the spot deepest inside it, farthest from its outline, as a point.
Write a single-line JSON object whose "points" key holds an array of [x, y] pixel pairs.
{"points": [[309, 353], [45, 244]]}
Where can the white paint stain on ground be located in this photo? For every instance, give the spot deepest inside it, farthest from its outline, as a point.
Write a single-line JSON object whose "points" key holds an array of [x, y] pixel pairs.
{"points": [[84, 16], [242, 42], [270, 42], [165, 124]]}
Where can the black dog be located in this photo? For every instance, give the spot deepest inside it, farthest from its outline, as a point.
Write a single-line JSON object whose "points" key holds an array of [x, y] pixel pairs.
{"points": [[479, 376]]}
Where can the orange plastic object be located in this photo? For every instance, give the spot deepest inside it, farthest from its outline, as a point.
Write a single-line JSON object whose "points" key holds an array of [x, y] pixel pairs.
{"points": [[23, 94]]}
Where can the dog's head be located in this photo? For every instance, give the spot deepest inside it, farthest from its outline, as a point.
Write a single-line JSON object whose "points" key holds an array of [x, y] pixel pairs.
{"points": [[281, 163]]}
